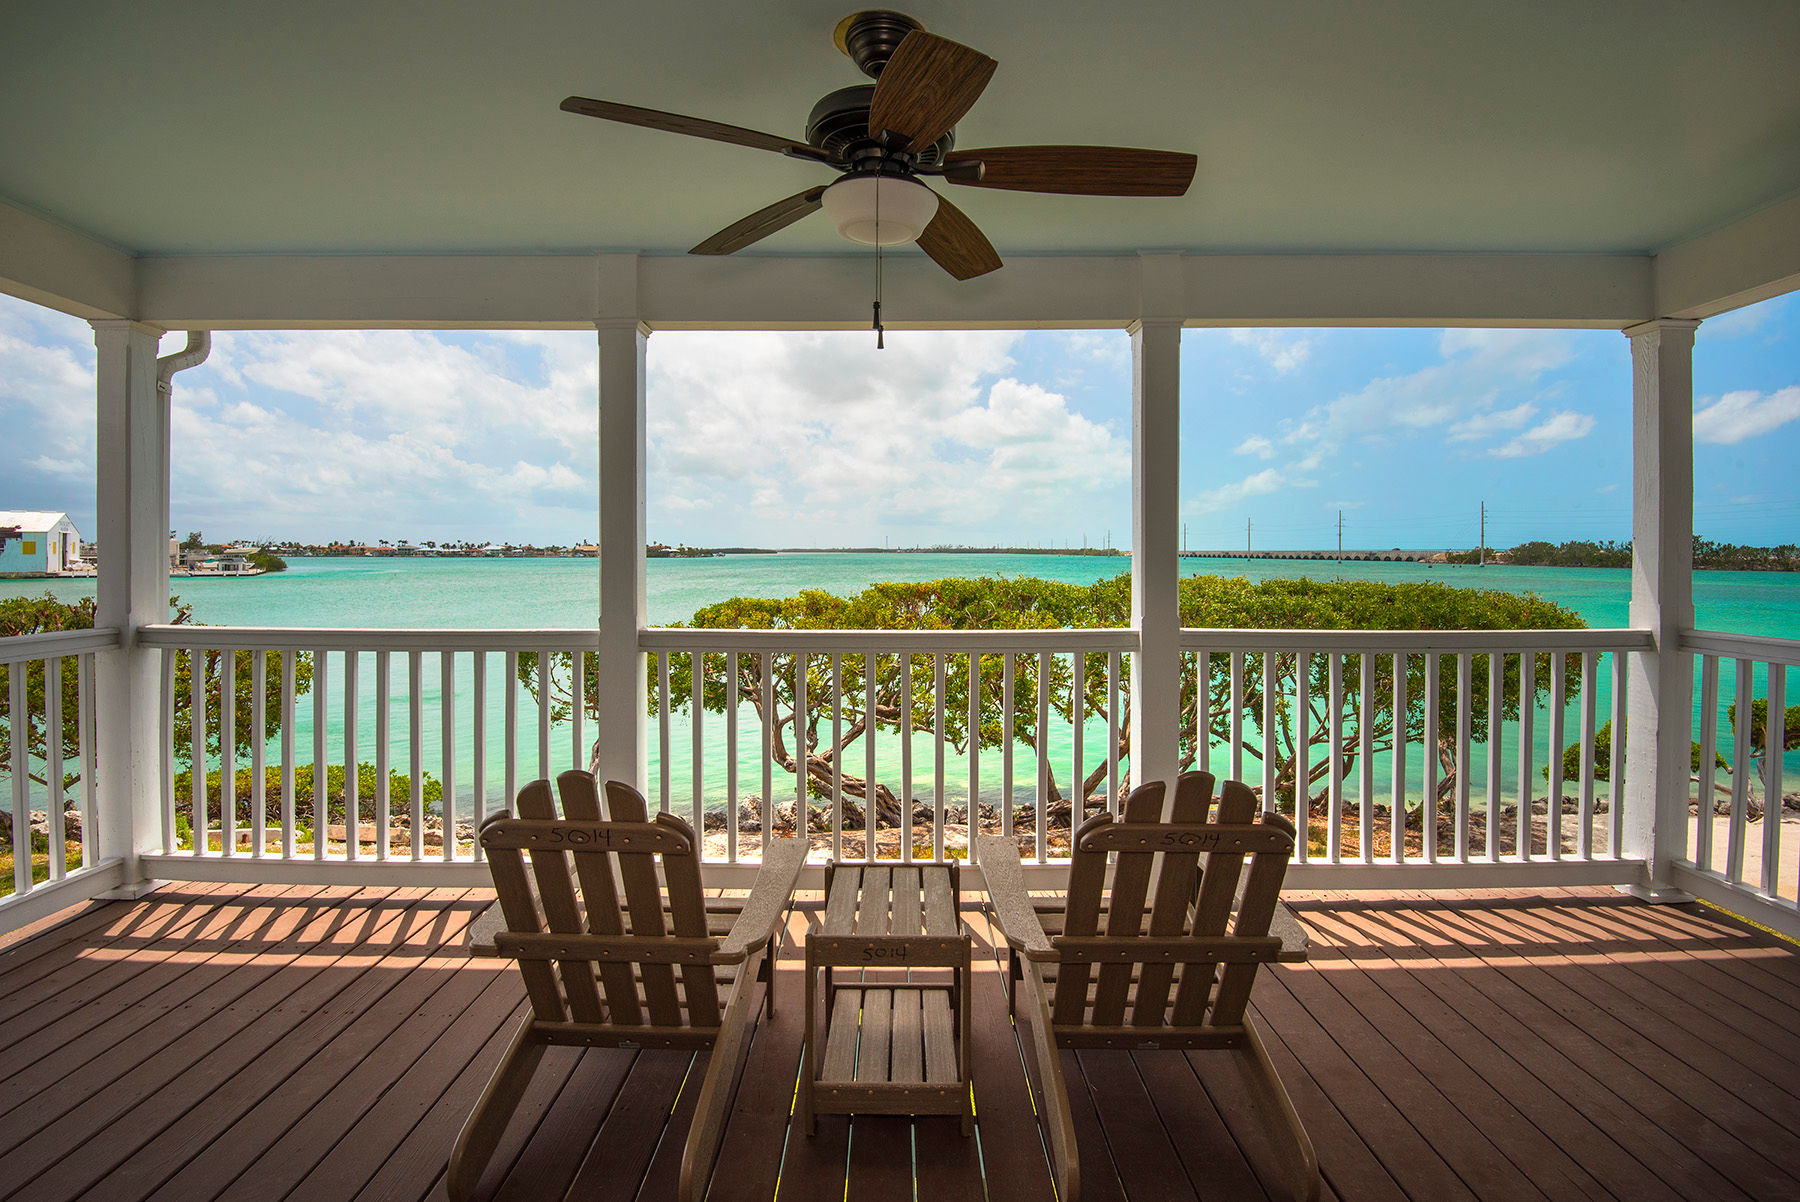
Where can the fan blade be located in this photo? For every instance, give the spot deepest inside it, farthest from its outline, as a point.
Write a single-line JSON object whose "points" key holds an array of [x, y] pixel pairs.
{"points": [[694, 127], [761, 224], [927, 87], [956, 245], [1075, 170]]}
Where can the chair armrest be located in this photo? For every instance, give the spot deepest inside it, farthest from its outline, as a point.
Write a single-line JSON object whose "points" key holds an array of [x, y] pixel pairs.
{"points": [[488, 924], [755, 926], [1012, 904], [1285, 925]]}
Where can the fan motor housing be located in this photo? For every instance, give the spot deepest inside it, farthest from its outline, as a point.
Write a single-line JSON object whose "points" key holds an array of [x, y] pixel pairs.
{"points": [[839, 124]]}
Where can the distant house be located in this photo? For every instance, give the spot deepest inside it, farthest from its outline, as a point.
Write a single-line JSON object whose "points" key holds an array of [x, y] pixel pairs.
{"points": [[46, 543]]}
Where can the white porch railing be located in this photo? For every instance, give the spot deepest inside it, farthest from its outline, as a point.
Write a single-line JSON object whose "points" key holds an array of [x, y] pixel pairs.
{"points": [[47, 724], [419, 734], [934, 687], [1473, 785], [1740, 850]]}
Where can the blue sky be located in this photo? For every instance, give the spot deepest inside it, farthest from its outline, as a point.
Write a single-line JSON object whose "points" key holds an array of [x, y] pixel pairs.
{"points": [[966, 437]]}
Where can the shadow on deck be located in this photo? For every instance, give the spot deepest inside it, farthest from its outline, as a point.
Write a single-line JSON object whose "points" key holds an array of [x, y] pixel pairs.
{"points": [[326, 1043]]}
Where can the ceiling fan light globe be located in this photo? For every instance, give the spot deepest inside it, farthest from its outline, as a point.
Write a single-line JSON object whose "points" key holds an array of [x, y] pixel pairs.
{"points": [[905, 208]]}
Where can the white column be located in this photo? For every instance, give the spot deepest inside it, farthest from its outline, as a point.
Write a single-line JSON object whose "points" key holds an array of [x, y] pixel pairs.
{"points": [[1155, 548], [1661, 682], [132, 496], [620, 679]]}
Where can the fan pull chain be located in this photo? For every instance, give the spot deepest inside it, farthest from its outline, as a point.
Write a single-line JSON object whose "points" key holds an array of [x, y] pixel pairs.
{"points": [[880, 334]]}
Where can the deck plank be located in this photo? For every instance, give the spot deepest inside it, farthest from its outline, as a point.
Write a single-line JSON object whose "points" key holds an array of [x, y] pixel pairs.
{"points": [[1011, 1142], [328, 1043], [381, 1097], [620, 1151], [546, 1150], [171, 1127], [176, 1035], [1673, 1053], [1511, 1061], [1146, 1158], [1515, 1141], [757, 1131], [1208, 1148], [1603, 1048], [1535, 1040]]}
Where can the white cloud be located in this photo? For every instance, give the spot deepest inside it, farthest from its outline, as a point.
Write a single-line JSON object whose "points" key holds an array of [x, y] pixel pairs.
{"points": [[1739, 322], [1226, 495], [817, 438], [482, 435], [1737, 416], [1281, 349], [1557, 429], [1522, 353], [1486, 425], [1256, 445]]}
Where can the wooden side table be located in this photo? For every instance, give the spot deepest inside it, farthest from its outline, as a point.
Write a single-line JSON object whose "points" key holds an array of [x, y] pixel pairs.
{"points": [[893, 1039]]}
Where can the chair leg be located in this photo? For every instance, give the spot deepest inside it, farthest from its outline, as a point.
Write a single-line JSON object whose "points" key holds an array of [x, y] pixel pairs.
{"points": [[486, 1123], [1292, 1143]]}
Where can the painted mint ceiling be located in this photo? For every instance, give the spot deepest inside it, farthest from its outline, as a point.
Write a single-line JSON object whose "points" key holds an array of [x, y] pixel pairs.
{"points": [[385, 126]]}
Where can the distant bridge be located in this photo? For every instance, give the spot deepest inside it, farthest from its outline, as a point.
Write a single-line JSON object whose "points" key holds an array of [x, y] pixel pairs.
{"points": [[1394, 556]]}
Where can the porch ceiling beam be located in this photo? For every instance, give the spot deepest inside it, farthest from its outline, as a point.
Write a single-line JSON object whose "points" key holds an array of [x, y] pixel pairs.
{"points": [[53, 266], [766, 292], [1751, 259]]}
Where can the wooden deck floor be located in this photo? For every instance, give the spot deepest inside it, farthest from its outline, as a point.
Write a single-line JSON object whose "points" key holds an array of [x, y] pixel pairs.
{"points": [[317, 1042]]}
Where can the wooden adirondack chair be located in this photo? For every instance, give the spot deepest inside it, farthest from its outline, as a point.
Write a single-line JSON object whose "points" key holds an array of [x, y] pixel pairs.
{"points": [[1182, 983], [599, 973]]}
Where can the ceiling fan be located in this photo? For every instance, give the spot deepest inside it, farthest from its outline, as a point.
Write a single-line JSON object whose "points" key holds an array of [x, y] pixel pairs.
{"points": [[883, 137]]}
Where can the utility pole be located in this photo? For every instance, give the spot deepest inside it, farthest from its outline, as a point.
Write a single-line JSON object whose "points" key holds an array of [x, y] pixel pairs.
{"points": [[1483, 553], [1246, 536], [1184, 538], [1340, 534]]}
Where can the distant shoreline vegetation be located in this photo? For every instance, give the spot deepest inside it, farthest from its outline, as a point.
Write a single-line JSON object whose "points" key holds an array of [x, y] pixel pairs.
{"points": [[653, 551], [1708, 555]]}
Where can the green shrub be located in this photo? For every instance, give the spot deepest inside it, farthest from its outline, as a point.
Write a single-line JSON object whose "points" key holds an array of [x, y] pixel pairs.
{"points": [[399, 794]]}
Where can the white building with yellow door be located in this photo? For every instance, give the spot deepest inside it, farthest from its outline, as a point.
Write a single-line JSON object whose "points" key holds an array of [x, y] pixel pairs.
{"points": [[46, 544]]}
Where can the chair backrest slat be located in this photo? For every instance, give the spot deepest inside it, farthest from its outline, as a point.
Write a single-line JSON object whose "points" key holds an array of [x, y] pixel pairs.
{"points": [[1125, 910], [644, 906], [1218, 889], [1081, 915], [1255, 909], [556, 893], [597, 917], [1176, 877], [507, 865], [600, 891], [687, 912]]}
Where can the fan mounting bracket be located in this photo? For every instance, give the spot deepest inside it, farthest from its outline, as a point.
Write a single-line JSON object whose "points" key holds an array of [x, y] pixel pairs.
{"points": [[871, 37]]}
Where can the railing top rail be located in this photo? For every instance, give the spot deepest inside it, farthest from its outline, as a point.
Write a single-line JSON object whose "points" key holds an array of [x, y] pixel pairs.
{"points": [[1416, 640], [658, 638], [21, 648], [1758, 647], [662, 638], [326, 638]]}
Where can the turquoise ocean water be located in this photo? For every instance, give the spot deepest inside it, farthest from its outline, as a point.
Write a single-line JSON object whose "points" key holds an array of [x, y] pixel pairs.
{"points": [[540, 593]]}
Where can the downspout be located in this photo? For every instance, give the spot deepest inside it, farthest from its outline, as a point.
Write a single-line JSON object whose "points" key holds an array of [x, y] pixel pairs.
{"points": [[199, 345]]}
